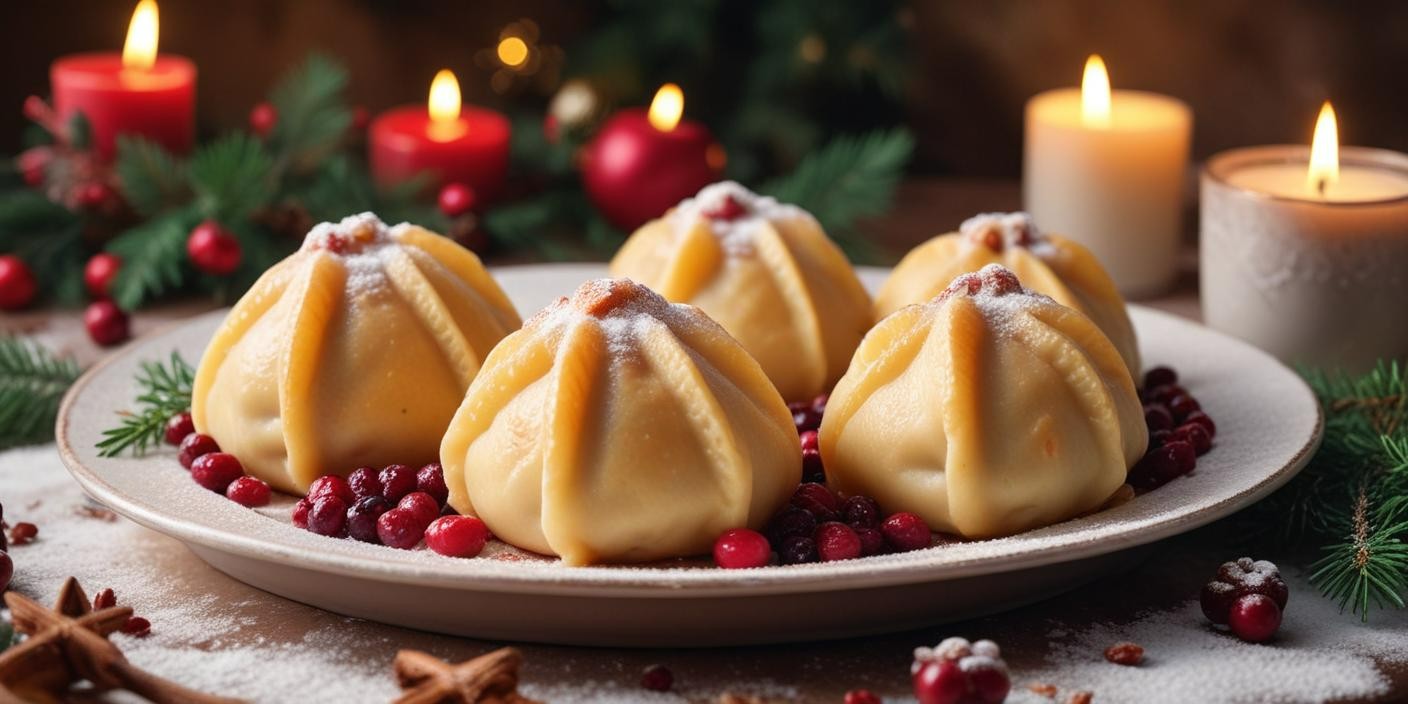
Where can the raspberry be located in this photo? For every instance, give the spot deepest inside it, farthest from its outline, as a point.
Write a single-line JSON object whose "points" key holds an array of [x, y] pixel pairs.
{"points": [[740, 548]]}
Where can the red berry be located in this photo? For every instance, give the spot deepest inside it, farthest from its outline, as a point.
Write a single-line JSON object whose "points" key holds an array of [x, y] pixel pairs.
{"points": [[809, 441], [812, 470], [399, 528], [331, 485], [1202, 419], [178, 427], [861, 512], [1254, 618], [431, 480], [300, 512], [739, 548], [213, 250], [1157, 438], [262, 119], [98, 273], [456, 199], [791, 522], [657, 678], [216, 470], [193, 446], [819, 404], [1159, 376], [7, 570], [872, 541], [940, 682], [360, 118], [836, 541], [818, 500], [248, 491], [362, 517], [804, 417], [17, 285], [1164, 394], [797, 550], [93, 195], [905, 531], [364, 482], [421, 505], [729, 209], [1255, 577], [397, 480], [105, 599], [1163, 464], [1196, 435], [1216, 600], [987, 679], [1183, 405], [33, 164], [137, 626], [861, 696], [457, 536], [23, 533], [106, 323], [328, 515], [1157, 417]]}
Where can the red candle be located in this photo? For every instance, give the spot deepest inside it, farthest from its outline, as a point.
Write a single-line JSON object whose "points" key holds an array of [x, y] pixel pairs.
{"points": [[642, 162], [451, 143], [136, 92]]}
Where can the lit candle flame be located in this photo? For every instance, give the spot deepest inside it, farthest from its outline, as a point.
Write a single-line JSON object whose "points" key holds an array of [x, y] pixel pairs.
{"points": [[666, 108], [1095, 94], [444, 107], [1324, 151], [139, 51], [513, 51]]}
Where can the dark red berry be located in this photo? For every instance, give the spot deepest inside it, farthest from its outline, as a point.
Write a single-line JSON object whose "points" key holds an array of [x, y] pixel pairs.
{"points": [[797, 550], [791, 522], [397, 480], [216, 470], [262, 119], [836, 541], [7, 570], [178, 427], [431, 480], [107, 324], [1157, 417], [1157, 438], [1255, 577], [424, 507], [1216, 600], [1182, 406], [987, 679], [193, 446], [872, 541], [105, 599], [1254, 618], [861, 696], [1202, 419], [727, 210], [818, 500], [400, 528], [364, 482], [331, 485], [1163, 464], [361, 518], [1159, 376], [905, 531], [940, 682], [860, 512], [739, 548], [300, 512], [808, 439], [1196, 435], [819, 404], [657, 678], [17, 284], [213, 250], [328, 515], [812, 470], [804, 417], [1167, 392], [137, 626], [248, 491], [94, 195], [23, 533], [99, 272], [456, 199], [457, 536]]}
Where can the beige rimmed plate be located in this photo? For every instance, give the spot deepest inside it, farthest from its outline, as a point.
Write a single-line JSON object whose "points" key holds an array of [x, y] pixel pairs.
{"points": [[1268, 426]]}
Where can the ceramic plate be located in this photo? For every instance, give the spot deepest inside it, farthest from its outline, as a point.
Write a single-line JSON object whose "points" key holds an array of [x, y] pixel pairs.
{"points": [[1268, 426]]}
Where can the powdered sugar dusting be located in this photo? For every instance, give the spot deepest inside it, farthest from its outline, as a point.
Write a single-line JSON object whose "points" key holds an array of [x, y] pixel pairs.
{"points": [[998, 231], [363, 243], [620, 307], [735, 234]]}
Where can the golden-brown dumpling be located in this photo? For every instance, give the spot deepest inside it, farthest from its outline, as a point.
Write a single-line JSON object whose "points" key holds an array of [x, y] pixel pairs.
{"points": [[618, 427], [763, 270], [355, 350], [988, 410], [1049, 264]]}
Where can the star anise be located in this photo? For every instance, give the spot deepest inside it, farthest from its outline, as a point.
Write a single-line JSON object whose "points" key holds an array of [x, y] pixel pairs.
{"points": [[487, 679]]}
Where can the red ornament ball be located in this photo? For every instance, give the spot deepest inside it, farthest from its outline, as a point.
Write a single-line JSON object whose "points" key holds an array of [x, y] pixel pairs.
{"points": [[262, 119], [107, 324], [17, 285], [94, 195], [99, 272], [456, 199], [634, 172], [213, 249]]}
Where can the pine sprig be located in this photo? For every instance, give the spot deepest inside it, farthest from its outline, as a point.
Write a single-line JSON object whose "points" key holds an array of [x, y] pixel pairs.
{"points": [[153, 179], [32, 384], [166, 391], [232, 177], [48, 238], [1370, 567], [313, 116], [153, 258]]}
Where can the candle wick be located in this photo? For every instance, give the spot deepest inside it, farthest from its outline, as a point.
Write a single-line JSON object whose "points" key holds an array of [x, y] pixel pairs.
{"points": [[1320, 186]]}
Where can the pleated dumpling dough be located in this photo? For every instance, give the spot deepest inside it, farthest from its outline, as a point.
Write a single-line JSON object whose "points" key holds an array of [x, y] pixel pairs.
{"points": [[763, 270], [618, 427], [988, 410], [1049, 264], [355, 350]]}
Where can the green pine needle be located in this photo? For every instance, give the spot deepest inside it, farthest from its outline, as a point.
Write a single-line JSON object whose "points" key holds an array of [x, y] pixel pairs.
{"points": [[232, 177], [153, 179], [166, 391], [313, 115], [49, 238], [32, 384], [153, 259]]}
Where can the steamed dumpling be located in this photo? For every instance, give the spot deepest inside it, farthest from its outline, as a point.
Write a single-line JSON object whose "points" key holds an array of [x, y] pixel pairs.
{"points": [[1048, 264], [988, 410], [766, 272], [618, 427], [355, 350]]}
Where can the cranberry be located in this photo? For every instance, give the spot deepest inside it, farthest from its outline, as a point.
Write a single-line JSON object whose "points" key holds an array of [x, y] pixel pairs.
{"points": [[1125, 653], [861, 512], [657, 678], [99, 272], [808, 439], [300, 512], [1157, 417], [105, 599], [1157, 438], [421, 505], [836, 541], [872, 541], [1255, 577], [137, 626], [740, 547], [364, 482], [1159, 376], [93, 195], [17, 284], [397, 480], [819, 404], [457, 536], [331, 485], [1254, 618], [456, 199], [728, 209], [178, 427], [23, 533], [1216, 600], [791, 522], [905, 531], [1182, 406], [1195, 435], [328, 515], [940, 682], [7, 570], [248, 491], [1202, 419], [213, 250], [987, 678], [107, 324], [812, 470], [215, 471], [861, 696], [399, 528], [804, 417], [361, 518], [431, 480], [1163, 464], [818, 500], [194, 446], [262, 119], [797, 550]]}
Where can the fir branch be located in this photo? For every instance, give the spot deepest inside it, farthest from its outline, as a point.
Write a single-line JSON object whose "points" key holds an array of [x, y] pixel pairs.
{"points": [[313, 117], [165, 392], [32, 384], [1370, 565], [153, 259], [232, 177], [48, 237], [153, 179]]}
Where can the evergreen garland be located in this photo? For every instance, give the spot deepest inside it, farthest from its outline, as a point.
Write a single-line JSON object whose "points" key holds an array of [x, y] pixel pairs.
{"points": [[32, 384]]}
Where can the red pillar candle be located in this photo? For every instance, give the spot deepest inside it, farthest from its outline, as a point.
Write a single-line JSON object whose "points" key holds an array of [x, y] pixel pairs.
{"points": [[450, 142], [136, 92], [642, 162]]}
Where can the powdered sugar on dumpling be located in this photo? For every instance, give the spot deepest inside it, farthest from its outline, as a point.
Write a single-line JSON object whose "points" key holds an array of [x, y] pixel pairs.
{"points": [[733, 213]]}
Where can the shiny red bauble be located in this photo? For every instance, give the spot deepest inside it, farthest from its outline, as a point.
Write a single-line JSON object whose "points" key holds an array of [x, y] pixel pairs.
{"points": [[456, 199], [17, 285], [634, 172], [263, 117], [99, 272], [213, 249], [106, 323]]}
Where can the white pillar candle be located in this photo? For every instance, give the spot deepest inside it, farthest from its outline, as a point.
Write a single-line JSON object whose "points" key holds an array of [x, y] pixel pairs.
{"points": [[1306, 265], [1107, 169]]}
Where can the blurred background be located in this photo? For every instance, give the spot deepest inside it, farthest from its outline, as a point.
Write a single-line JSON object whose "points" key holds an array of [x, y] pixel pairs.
{"points": [[777, 77]]}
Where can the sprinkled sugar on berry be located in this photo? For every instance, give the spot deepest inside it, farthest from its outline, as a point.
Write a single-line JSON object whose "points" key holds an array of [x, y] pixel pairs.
{"points": [[1254, 618]]}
